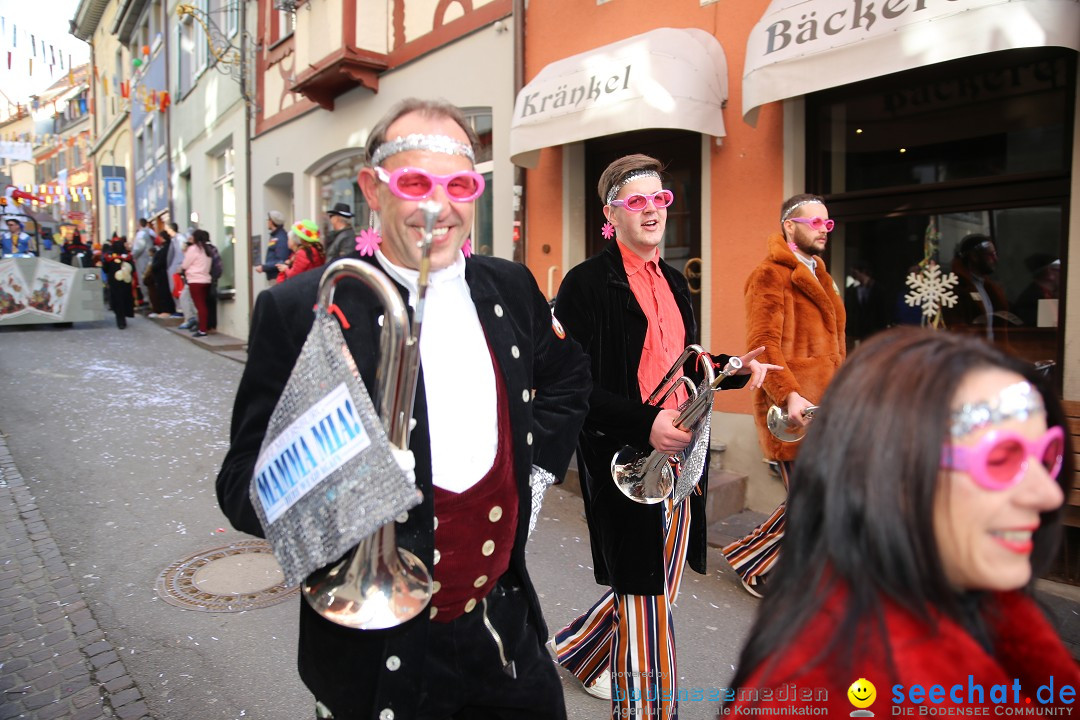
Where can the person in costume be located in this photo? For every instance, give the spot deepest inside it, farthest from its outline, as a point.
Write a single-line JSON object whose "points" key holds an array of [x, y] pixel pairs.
{"points": [[14, 240], [795, 310], [981, 305], [499, 403], [118, 265], [924, 504], [277, 245], [632, 314], [342, 237], [307, 251]]}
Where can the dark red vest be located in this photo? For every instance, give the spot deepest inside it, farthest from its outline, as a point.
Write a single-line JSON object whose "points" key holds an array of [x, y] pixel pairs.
{"points": [[474, 530]]}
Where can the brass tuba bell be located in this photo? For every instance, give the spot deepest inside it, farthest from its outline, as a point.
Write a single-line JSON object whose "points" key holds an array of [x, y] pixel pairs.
{"points": [[647, 476]]}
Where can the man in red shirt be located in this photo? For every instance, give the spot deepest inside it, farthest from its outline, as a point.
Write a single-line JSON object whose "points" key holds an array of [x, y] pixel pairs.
{"points": [[632, 314]]}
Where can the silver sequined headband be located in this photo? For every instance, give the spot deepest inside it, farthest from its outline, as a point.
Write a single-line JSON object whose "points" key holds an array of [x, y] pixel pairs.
{"points": [[635, 175], [1016, 402], [417, 141], [798, 205]]}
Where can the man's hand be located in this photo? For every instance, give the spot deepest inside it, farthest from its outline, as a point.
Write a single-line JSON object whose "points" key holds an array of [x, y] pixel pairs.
{"points": [[754, 369], [258, 268], [796, 406], [664, 436]]}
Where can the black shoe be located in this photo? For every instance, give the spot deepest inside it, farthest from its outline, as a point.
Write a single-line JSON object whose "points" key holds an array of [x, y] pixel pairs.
{"points": [[198, 333]]}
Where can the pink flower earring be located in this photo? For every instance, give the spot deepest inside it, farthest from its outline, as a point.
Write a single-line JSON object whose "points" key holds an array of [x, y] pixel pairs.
{"points": [[466, 249], [607, 231], [367, 242]]}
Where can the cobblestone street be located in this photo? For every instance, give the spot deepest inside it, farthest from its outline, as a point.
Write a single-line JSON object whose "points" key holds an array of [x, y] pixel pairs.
{"points": [[58, 663]]}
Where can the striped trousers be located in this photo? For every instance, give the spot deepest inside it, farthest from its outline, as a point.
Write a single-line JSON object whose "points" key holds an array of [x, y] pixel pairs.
{"points": [[755, 554], [631, 638]]}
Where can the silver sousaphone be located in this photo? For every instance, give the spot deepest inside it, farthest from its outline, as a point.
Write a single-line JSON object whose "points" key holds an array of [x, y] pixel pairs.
{"points": [[380, 585], [649, 476]]}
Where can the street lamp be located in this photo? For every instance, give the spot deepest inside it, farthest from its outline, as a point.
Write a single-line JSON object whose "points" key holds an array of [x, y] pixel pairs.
{"points": [[236, 62]]}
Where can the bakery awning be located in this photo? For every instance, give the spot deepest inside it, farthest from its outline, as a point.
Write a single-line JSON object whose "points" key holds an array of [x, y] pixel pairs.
{"points": [[801, 46], [665, 78]]}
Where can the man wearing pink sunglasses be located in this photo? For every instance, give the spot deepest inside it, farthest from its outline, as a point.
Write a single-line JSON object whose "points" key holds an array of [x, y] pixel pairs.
{"points": [[795, 310], [632, 313], [501, 395]]}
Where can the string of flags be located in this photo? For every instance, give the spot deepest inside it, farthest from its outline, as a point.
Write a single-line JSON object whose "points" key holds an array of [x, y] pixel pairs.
{"points": [[27, 46], [44, 195], [48, 139]]}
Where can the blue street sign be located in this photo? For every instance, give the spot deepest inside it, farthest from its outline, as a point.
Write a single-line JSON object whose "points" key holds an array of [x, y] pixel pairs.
{"points": [[115, 191]]}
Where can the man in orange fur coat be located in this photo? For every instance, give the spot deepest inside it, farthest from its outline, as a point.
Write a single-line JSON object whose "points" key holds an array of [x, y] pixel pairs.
{"points": [[795, 310]]}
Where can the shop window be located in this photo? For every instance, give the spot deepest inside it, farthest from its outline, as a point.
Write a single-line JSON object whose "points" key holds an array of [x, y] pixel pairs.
{"points": [[987, 117], [225, 236], [185, 60], [912, 164], [337, 184], [282, 24], [483, 233]]}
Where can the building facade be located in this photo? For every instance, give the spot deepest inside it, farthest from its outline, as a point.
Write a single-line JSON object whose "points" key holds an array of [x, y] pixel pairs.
{"points": [[209, 140], [328, 71], [111, 138], [919, 122]]}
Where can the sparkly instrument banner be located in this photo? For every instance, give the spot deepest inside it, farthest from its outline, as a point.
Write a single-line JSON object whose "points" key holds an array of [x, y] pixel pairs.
{"points": [[325, 478], [690, 463], [318, 442]]}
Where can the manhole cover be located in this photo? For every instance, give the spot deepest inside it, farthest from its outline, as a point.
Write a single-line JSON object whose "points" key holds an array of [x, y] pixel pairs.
{"points": [[241, 576]]}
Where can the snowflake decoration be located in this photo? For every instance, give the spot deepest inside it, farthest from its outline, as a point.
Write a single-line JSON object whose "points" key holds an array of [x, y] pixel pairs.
{"points": [[931, 290], [466, 249], [367, 242], [607, 231]]}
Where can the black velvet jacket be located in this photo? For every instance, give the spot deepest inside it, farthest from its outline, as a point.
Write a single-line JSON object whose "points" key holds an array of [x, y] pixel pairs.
{"points": [[547, 385], [598, 309]]}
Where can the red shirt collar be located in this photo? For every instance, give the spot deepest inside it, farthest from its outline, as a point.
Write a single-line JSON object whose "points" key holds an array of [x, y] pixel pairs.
{"points": [[633, 262]]}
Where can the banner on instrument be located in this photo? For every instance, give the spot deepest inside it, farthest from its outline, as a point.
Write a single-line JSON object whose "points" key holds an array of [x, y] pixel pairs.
{"points": [[325, 477]]}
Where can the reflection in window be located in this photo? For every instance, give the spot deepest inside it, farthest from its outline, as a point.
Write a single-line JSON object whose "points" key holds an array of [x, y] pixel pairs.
{"points": [[225, 240], [483, 235], [1006, 261], [990, 116], [337, 184]]}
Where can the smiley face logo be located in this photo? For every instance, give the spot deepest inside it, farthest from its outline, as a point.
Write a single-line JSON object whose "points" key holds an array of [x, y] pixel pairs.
{"points": [[862, 693]]}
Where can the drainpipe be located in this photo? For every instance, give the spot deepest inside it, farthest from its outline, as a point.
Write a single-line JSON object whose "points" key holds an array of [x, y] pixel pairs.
{"points": [[248, 111], [168, 123], [519, 82]]}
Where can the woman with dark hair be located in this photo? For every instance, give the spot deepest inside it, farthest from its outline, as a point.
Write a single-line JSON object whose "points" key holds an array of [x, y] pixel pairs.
{"points": [[926, 498], [196, 269]]}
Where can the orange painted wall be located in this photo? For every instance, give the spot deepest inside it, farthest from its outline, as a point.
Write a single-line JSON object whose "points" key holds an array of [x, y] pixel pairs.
{"points": [[746, 169]]}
